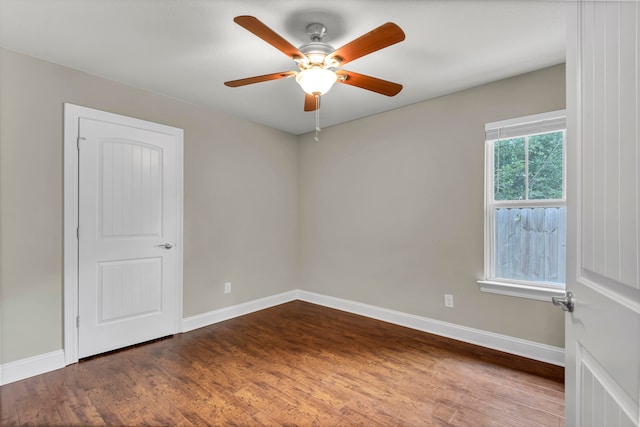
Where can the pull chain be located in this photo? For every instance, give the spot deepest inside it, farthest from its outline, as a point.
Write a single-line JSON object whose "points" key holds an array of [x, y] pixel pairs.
{"points": [[317, 118]]}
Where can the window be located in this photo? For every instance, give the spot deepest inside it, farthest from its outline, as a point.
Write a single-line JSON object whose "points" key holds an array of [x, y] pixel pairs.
{"points": [[525, 215]]}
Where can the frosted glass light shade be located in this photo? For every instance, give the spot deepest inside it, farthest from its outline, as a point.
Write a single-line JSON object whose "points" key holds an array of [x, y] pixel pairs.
{"points": [[316, 81]]}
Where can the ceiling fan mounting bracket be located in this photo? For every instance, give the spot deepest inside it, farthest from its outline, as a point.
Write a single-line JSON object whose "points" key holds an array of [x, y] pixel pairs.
{"points": [[316, 31]]}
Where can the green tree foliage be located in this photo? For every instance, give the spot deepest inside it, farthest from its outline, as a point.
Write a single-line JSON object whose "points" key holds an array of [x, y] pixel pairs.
{"points": [[509, 169], [545, 167]]}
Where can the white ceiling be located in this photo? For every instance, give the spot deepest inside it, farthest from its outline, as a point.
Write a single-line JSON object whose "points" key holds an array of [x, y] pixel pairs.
{"points": [[186, 49]]}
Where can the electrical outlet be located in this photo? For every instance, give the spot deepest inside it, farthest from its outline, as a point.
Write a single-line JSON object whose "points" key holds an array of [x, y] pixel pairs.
{"points": [[227, 287], [448, 300]]}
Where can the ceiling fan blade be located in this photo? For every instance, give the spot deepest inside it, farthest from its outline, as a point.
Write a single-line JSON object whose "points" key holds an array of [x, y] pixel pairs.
{"points": [[310, 103], [373, 84], [257, 27], [258, 79], [379, 38]]}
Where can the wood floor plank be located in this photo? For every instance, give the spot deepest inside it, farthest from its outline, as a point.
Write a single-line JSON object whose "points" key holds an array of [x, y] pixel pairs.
{"points": [[294, 364], [512, 409]]}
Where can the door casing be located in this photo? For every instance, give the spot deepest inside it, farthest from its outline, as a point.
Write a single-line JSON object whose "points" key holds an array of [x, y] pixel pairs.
{"points": [[72, 114]]}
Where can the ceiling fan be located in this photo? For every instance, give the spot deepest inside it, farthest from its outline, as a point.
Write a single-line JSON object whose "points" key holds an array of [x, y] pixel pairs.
{"points": [[318, 61]]}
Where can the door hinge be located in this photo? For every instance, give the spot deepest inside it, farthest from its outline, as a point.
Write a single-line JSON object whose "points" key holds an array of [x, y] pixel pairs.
{"points": [[78, 233], [77, 321], [78, 141]]}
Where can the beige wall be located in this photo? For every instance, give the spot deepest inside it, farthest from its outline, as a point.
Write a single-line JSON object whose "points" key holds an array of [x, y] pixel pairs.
{"points": [[391, 208], [385, 210], [240, 199]]}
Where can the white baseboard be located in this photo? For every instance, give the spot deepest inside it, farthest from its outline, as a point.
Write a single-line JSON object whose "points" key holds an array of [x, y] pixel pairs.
{"points": [[31, 366], [226, 313], [36, 365], [517, 346]]}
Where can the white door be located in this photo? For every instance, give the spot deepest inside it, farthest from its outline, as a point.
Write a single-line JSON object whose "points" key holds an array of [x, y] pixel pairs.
{"points": [[603, 99], [128, 231]]}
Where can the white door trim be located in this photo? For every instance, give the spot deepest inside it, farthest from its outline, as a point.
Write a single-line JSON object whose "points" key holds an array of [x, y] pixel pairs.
{"points": [[72, 114]]}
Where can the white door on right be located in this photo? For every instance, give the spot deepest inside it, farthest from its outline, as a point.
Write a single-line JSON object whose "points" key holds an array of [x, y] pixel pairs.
{"points": [[603, 245]]}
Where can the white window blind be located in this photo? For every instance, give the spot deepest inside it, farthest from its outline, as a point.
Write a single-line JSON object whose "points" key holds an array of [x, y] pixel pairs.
{"points": [[534, 124]]}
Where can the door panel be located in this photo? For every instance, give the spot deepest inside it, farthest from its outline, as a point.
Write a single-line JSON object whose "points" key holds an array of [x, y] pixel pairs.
{"points": [[131, 202], [605, 337], [603, 333], [600, 388], [127, 212], [129, 288]]}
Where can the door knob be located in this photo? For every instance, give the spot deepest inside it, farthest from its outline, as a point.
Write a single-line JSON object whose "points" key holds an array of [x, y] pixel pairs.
{"points": [[565, 302], [165, 245]]}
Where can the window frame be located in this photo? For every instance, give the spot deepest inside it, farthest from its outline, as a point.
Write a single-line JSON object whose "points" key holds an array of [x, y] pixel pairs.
{"points": [[552, 121]]}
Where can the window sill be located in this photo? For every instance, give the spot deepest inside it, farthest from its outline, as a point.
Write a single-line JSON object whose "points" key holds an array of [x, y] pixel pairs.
{"points": [[521, 291]]}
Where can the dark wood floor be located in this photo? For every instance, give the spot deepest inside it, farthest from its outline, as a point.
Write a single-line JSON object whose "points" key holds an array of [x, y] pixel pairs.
{"points": [[294, 364]]}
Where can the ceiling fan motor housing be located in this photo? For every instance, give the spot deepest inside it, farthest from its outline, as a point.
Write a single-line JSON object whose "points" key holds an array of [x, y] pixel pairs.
{"points": [[316, 52]]}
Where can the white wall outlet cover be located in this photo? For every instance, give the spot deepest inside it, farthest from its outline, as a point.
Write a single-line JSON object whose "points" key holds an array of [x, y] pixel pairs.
{"points": [[448, 300]]}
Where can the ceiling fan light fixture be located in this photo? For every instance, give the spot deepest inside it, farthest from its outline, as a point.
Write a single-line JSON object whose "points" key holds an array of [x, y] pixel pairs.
{"points": [[316, 80]]}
